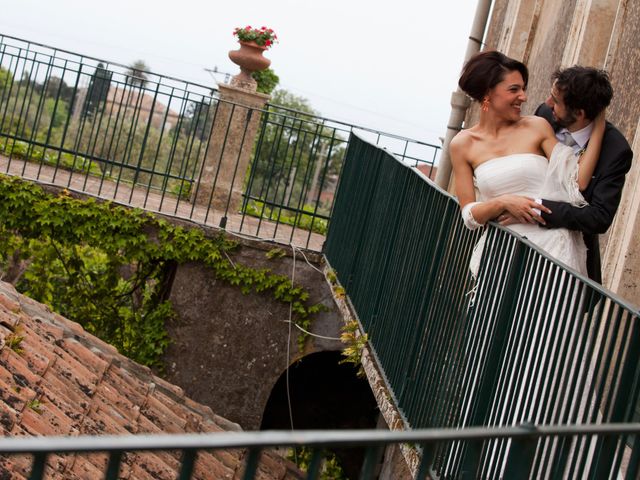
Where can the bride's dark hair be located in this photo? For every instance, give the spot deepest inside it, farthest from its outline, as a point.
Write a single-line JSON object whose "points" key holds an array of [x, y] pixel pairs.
{"points": [[485, 70]]}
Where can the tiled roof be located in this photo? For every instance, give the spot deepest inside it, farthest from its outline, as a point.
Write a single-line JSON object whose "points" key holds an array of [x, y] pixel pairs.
{"points": [[60, 380]]}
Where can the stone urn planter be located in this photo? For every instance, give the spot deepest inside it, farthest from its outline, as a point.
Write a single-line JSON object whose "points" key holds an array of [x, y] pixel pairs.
{"points": [[250, 59]]}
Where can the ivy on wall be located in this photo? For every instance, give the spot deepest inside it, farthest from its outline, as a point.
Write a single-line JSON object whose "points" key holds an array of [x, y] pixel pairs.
{"points": [[107, 267]]}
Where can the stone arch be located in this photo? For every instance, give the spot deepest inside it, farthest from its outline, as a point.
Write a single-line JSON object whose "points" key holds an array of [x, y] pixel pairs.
{"points": [[324, 395]]}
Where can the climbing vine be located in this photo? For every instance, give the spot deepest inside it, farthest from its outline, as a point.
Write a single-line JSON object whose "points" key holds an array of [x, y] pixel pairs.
{"points": [[107, 267]]}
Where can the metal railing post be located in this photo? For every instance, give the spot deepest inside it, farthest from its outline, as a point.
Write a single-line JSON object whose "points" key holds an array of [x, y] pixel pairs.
{"points": [[491, 371], [521, 454], [628, 394]]}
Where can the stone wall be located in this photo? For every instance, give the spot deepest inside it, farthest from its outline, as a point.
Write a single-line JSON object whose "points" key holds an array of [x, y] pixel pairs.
{"points": [[229, 349]]}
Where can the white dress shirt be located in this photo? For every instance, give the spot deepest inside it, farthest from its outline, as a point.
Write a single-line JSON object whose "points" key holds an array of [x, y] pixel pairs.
{"points": [[581, 136]]}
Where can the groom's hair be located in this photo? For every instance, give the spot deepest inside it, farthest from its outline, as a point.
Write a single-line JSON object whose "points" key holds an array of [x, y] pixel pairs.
{"points": [[485, 70], [584, 88]]}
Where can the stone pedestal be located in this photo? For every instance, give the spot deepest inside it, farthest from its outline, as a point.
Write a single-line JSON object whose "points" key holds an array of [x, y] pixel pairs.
{"points": [[233, 133]]}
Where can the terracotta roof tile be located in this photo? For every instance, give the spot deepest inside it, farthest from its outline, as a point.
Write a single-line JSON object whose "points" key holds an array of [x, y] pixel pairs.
{"points": [[61, 402], [156, 411], [217, 465], [69, 393], [74, 372], [14, 398], [8, 419], [9, 303], [146, 426], [36, 353], [15, 467], [46, 330], [84, 356], [21, 374], [56, 420], [129, 386], [63, 381], [84, 468], [109, 398], [155, 465], [107, 421]]}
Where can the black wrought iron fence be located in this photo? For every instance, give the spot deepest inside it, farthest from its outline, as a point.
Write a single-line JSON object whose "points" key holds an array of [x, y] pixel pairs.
{"points": [[524, 440], [146, 140], [528, 341]]}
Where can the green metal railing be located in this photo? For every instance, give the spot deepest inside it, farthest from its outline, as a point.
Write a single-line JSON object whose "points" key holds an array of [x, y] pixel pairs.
{"points": [[524, 441], [141, 139], [530, 341]]}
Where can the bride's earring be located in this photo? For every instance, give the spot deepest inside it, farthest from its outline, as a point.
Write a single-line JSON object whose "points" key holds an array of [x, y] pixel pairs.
{"points": [[485, 104]]}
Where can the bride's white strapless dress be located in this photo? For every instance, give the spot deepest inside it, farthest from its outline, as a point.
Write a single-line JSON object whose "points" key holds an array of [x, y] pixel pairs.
{"points": [[534, 176]]}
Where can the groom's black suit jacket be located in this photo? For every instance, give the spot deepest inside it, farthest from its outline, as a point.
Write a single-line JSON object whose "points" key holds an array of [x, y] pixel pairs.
{"points": [[603, 194]]}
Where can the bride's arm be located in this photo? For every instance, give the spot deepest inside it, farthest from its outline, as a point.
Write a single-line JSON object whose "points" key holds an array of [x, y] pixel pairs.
{"points": [[589, 159], [520, 207]]}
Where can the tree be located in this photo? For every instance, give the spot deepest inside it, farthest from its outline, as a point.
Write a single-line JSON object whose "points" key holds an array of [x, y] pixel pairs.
{"points": [[284, 98], [98, 90], [5, 79], [57, 88], [294, 155], [136, 73]]}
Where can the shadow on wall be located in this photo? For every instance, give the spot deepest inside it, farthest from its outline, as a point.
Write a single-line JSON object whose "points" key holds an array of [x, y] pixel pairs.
{"points": [[324, 395]]}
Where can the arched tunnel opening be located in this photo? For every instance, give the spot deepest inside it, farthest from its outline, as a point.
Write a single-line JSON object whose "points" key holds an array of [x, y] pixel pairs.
{"points": [[324, 395]]}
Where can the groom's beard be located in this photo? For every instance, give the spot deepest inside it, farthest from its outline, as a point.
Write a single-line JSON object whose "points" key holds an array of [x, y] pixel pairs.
{"points": [[566, 121]]}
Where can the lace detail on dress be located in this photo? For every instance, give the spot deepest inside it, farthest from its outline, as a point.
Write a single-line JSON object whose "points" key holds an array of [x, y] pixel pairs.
{"points": [[561, 181], [476, 256], [467, 217]]}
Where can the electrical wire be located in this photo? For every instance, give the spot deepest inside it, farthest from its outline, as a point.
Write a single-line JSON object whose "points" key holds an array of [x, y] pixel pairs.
{"points": [[293, 276], [312, 334]]}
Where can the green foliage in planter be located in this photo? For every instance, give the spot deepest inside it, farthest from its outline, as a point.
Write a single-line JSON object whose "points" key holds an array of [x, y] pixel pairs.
{"points": [[267, 80], [107, 267], [305, 221]]}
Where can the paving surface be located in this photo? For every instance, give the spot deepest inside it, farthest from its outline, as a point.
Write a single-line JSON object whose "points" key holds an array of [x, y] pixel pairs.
{"points": [[166, 204]]}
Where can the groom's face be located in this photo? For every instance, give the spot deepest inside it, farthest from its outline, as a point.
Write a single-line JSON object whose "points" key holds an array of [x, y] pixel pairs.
{"points": [[563, 116]]}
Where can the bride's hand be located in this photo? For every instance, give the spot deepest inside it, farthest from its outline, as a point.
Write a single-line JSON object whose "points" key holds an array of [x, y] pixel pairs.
{"points": [[519, 209]]}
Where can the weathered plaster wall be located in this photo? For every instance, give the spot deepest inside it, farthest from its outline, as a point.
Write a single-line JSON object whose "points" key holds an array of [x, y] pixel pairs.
{"points": [[624, 67], [621, 265]]}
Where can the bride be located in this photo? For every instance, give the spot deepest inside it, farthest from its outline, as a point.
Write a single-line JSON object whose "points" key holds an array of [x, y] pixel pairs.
{"points": [[511, 160]]}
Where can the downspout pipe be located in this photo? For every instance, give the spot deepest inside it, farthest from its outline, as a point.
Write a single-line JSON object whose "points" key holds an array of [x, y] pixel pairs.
{"points": [[459, 100]]}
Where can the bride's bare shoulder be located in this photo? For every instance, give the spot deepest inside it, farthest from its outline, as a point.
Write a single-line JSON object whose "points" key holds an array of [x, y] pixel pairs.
{"points": [[533, 121], [461, 142]]}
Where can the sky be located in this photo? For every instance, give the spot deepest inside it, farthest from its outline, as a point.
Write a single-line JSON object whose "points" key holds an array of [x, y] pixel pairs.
{"points": [[388, 65]]}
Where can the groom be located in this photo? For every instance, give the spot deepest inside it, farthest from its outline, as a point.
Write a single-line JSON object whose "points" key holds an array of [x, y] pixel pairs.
{"points": [[578, 94]]}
